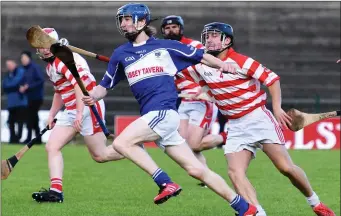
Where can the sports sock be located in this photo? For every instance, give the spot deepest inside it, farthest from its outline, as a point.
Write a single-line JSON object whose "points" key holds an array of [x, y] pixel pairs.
{"points": [[314, 200], [161, 178], [239, 205], [260, 210], [56, 185]]}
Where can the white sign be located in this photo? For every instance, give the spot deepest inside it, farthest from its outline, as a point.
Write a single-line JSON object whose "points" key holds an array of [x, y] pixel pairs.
{"points": [[43, 116]]}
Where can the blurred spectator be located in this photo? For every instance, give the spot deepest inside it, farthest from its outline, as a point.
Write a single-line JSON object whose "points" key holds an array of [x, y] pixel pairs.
{"points": [[34, 88], [16, 100]]}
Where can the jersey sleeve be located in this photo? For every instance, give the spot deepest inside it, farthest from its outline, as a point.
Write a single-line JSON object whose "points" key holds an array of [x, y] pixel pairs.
{"points": [[191, 74], [114, 73], [183, 55], [256, 70]]}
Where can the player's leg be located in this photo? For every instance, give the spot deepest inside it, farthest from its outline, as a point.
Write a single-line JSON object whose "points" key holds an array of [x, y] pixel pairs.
{"points": [[194, 117], [194, 139], [142, 130], [200, 117], [59, 137], [275, 149], [212, 140], [126, 144], [280, 157], [184, 119], [95, 138], [183, 155], [238, 162], [98, 149]]}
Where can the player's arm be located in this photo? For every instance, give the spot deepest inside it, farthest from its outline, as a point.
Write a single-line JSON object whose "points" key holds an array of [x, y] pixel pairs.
{"points": [[57, 104], [185, 55], [113, 75], [214, 62], [271, 80]]}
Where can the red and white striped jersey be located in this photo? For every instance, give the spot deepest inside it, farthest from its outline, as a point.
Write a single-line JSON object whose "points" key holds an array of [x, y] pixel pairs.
{"points": [[183, 85], [234, 94], [64, 81]]}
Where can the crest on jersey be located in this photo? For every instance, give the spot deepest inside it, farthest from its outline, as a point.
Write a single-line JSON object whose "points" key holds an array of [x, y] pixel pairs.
{"points": [[158, 54]]}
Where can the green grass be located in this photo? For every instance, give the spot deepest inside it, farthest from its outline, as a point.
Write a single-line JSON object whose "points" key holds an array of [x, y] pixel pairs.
{"points": [[120, 188]]}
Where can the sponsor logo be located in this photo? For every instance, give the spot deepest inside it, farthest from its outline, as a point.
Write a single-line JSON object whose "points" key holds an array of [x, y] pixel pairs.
{"points": [[144, 71]]}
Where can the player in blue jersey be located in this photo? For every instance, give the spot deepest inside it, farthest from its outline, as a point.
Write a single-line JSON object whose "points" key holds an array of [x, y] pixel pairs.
{"points": [[149, 65]]}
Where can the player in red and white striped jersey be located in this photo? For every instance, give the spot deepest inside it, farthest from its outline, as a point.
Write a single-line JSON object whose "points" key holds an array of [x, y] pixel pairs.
{"points": [[250, 124], [197, 116], [75, 118]]}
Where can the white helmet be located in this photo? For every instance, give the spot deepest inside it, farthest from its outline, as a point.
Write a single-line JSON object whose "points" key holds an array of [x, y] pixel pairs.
{"points": [[45, 53]]}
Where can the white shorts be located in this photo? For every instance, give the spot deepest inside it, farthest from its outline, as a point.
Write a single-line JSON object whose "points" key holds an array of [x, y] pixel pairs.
{"points": [[199, 113], [165, 123], [252, 130], [90, 125]]}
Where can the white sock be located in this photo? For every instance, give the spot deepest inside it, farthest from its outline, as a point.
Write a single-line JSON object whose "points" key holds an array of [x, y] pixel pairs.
{"points": [[314, 200], [261, 211]]}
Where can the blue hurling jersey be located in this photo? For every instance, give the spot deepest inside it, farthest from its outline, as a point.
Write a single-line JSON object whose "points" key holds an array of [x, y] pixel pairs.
{"points": [[150, 68]]}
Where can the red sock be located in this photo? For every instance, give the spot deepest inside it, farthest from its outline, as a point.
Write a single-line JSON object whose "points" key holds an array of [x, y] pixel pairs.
{"points": [[56, 185], [224, 135]]}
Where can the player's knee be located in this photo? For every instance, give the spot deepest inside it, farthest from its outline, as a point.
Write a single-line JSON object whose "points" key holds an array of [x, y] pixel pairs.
{"points": [[119, 146], [197, 172], [195, 146], [99, 158], [50, 147], [196, 149], [204, 144]]}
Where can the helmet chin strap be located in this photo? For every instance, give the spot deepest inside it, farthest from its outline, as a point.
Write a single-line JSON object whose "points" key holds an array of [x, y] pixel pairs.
{"points": [[133, 35], [215, 53]]}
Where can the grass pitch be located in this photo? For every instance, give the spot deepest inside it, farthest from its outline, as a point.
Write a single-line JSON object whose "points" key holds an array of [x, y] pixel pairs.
{"points": [[122, 189]]}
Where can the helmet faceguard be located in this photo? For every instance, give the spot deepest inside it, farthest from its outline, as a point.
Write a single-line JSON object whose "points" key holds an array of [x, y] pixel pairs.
{"points": [[44, 53], [137, 12], [172, 19], [225, 31]]}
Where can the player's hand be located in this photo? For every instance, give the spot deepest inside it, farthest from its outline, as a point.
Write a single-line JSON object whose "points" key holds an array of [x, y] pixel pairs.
{"points": [[282, 118], [338, 61], [77, 124], [22, 89], [50, 122], [63, 41], [88, 100], [228, 68]]}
